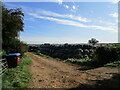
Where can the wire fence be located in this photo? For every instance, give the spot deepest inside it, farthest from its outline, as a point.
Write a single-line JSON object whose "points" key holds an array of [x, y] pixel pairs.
{"points": [[3, 66]]}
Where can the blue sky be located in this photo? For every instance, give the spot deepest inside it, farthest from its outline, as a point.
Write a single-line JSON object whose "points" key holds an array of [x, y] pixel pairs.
{"points": [[68, 22]]}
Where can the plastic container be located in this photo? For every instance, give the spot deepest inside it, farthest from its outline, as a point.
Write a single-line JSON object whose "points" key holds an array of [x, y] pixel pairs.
{"points": [[13, 59]]}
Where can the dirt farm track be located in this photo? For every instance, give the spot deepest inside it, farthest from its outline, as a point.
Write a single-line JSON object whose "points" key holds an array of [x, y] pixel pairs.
{"points": [[48, 73]]}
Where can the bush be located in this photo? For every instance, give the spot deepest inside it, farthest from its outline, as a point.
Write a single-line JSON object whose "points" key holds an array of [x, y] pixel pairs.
{"points": [[84, 61], [103, 55], [15, 46], [114, 64], [2, 52]]}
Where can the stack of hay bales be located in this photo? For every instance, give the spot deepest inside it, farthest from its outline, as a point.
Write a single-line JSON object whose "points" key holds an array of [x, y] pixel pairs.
{"points": [[65, 51]]}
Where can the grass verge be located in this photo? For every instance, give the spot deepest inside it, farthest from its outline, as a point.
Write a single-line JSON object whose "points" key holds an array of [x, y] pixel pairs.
{"points": [[18, 77], [114, 64], [84, 61], [43, 55]]}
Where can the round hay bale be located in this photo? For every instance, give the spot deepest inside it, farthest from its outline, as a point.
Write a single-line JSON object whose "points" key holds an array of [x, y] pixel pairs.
{"points": [[86, 56], [78, 56]]}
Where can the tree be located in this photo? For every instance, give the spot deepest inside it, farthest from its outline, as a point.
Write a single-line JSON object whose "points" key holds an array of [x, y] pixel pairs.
{"points": [[12, 24], [93, 41]]}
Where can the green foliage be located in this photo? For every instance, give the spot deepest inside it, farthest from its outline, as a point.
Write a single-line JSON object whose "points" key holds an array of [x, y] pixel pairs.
{"points": [[38, 54], [96, 61], [103, 55], [15, 46], [84, 61], [18, 77], [12, 24], [25, 60], [2, 52], [114, 64], [93, 41]]}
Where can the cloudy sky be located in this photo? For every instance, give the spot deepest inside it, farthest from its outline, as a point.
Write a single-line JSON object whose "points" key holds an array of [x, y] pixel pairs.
{"points": [[68, 22]]}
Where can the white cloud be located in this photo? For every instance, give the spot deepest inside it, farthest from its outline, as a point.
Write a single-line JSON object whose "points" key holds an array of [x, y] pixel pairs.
{"points": [[53, 14], [61, 21], [74, 7], [66, 6], [115, 1], [73, 23], [114, 15], [60, 1]]}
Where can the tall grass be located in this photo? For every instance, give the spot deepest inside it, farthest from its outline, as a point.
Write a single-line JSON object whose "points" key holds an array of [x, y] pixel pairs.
{"points": [[43, 55], [18, 77]]}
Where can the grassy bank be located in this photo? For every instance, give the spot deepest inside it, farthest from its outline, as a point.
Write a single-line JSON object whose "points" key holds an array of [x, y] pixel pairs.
{"points": [[43, 55], [18, 77], [114, 64], [84, 62], [90, 62]]}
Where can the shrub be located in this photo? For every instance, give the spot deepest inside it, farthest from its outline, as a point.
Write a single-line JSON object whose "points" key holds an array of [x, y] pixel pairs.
{"points": [[103, 55], [15, 46], [12, 25], [2, 52], [114, 64], [84, 62]]}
